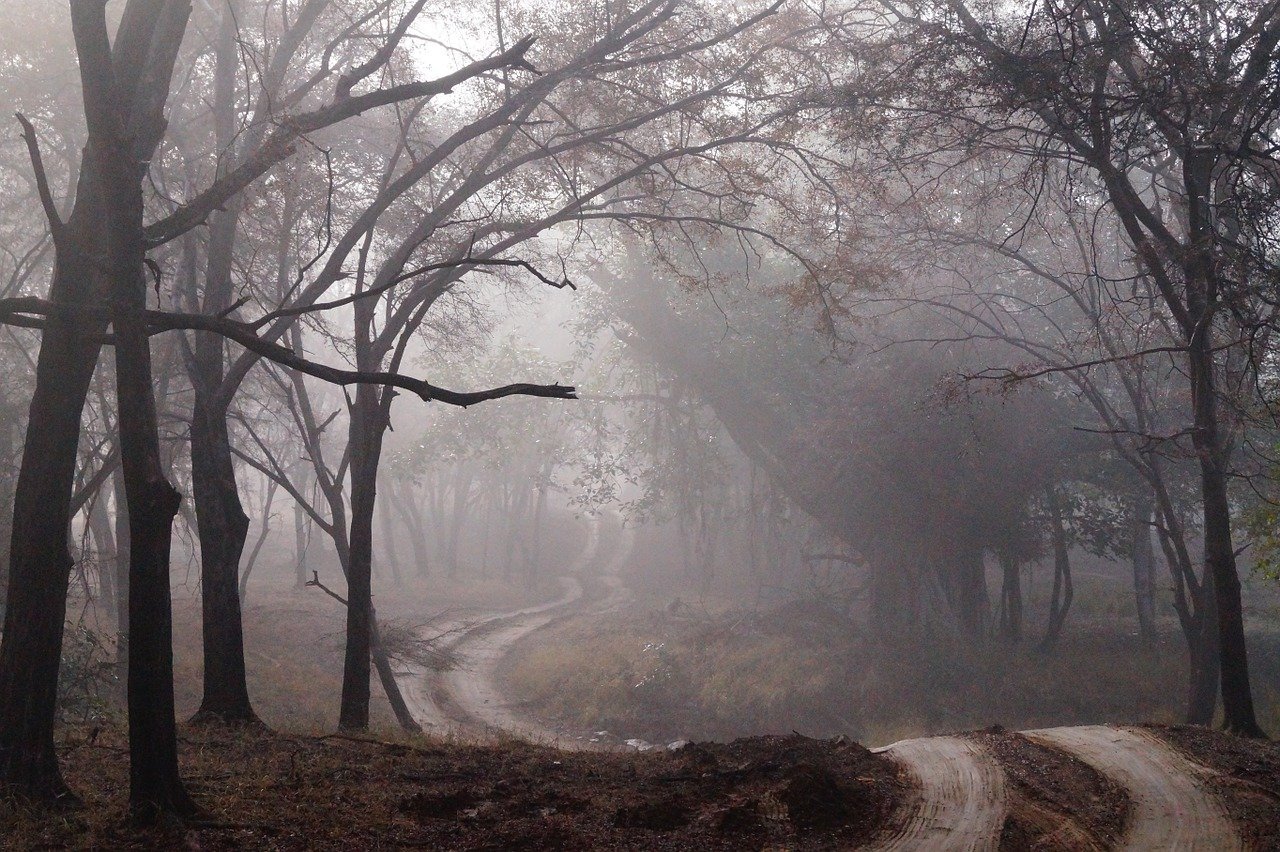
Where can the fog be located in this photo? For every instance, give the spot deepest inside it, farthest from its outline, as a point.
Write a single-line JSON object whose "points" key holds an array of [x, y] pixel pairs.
{"points": [[621, 374]]}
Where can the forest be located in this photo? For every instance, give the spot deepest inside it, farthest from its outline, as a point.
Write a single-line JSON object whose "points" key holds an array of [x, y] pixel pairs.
{"points": [[640, 424]]}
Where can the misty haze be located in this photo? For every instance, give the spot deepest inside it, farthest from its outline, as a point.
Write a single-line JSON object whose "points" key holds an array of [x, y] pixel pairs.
{"points": [[640, 424]]}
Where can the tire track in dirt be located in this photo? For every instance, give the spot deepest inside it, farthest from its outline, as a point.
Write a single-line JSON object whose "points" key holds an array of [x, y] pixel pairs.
{"points": [[1171, 809], [959, 798], [467, 701]]}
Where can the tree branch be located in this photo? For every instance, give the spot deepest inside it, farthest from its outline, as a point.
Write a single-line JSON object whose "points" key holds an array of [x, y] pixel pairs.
{"points": [[56, 225], [280, 145], [19, 311]]}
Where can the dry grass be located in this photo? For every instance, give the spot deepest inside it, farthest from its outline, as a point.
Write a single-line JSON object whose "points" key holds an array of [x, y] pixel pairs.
{"points": [[662, 678]]}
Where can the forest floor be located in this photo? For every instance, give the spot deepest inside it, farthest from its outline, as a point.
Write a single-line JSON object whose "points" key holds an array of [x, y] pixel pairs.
{"points": [[297, 790], [267, 790]]}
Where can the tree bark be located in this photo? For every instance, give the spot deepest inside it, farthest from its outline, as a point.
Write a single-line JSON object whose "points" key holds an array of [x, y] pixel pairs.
{"points": [[39, 561], [223, 528], [365, 440], [1219, 553]]}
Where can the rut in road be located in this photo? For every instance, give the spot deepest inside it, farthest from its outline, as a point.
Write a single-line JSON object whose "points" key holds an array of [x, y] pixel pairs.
{"points": [[1171, 809], [958, 802]]}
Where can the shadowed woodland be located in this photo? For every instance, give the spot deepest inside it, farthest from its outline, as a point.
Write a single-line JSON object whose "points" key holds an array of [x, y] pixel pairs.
{"points": [[867, 369]]}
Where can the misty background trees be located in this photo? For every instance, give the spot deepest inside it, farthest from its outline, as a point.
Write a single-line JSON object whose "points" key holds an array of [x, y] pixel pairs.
{"points": [[897, 310]]}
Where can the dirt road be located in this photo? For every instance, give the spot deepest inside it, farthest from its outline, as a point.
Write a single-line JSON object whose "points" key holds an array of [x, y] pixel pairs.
{"points": [[958, 799], [466, 701]]}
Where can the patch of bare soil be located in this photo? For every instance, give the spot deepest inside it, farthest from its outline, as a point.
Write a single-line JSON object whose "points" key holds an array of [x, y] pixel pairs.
{"points": [[273, 791], [1056, 801], [1247, 780]]}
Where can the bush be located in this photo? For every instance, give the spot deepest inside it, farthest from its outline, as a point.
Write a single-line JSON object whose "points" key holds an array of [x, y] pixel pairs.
{"points": [[87, 679]]}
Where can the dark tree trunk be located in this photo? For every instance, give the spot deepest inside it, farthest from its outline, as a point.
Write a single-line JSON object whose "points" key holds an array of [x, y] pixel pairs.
{"points": [[1219, 553], [1211, 449], [39, 561], [221, 522], [223, 527], [387, 676], [365, 439], [155, 786]]}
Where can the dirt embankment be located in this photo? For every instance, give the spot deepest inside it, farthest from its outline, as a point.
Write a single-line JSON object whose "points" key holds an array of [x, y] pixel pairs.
{"points": [[1056, 802], [281, 792]]}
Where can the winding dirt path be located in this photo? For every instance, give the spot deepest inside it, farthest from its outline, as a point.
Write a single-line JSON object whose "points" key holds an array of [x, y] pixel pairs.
{"points": [[1171, 808], [958, 801], [467, 702]]}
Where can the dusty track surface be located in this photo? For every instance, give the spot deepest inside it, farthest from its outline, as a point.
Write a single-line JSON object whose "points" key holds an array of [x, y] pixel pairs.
{"points": [[466, 702], [1171, 808], [959, 797], [958, 800]]}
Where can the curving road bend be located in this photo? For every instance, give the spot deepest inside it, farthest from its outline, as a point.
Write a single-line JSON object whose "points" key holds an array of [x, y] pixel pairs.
{"points": [[466, 701], [958, 801], [1171, 809]]}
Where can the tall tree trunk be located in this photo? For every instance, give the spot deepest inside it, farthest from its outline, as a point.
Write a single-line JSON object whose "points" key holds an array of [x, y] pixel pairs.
{"points": [[1202, 295], [1219, 552], [365, 439], [221, 522], [223, 528], [155, 786], [39, 561]]}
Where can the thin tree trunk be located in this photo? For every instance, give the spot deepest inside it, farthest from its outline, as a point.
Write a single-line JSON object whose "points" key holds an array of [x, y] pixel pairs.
{"points": [[1010, 597], [1063, 589], [387, 522], [262, 537], [122, 578], [301, 543], [105, 544], [387, 676], [1144, 571]]}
